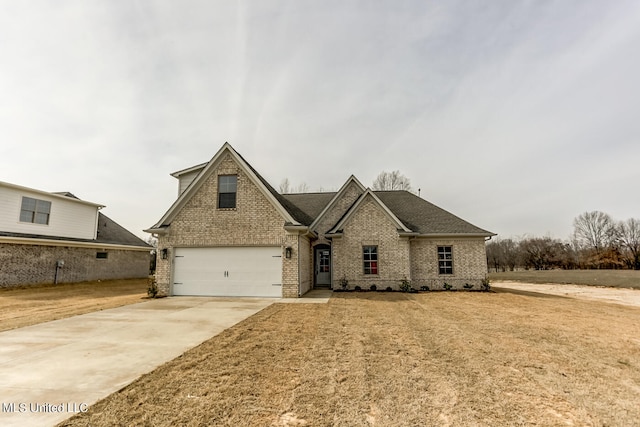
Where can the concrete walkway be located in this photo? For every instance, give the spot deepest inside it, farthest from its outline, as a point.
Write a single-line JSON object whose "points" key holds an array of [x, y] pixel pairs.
{"points": [[52, 370]]}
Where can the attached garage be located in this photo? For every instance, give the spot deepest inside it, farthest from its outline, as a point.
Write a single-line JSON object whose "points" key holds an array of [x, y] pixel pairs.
{"points": [[228, 271]]}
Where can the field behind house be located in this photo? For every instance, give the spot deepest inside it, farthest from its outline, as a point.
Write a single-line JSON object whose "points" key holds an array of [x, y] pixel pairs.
{"points": [[27, 306], [393, 359], [614, 278]]}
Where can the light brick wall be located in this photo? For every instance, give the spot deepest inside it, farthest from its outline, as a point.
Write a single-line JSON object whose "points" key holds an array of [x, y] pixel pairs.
{"points": [[469, 263], [340, 207], [36, 264], [254, 222], [305, 263], [370, 225]]}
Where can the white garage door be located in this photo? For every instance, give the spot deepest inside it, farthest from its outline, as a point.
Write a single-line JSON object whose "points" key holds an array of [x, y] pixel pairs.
{"points": [[241, 271]]}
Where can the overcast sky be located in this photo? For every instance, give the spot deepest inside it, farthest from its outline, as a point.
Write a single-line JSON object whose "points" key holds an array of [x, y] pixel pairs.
{"points": [[514, 115]]}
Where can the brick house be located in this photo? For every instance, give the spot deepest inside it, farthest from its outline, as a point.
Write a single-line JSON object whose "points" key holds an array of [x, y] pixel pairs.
{"points": [[58, 238], [229, 233]]}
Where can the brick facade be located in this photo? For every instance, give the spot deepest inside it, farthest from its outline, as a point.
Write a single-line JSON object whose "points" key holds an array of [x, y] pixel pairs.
{"points": [[469, 263], [415, 259], [36, 264], [370, 226], [258, 220], [254, 222]]}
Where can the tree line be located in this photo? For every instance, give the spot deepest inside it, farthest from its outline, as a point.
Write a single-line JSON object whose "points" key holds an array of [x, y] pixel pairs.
{"points": [[597, 241]]}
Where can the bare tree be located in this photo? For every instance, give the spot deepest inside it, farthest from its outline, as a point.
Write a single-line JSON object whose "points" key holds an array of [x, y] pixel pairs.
{"points": [[302, 188], [503, 254], [285, 186], [539, 252], [594, 230], [628, 233], [391, 181]]}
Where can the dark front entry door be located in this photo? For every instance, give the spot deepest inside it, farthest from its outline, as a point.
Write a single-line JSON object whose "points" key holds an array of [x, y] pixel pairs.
{"points": [[323, 266]]}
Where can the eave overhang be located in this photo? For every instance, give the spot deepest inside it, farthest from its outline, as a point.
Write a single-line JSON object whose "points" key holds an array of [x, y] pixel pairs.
{"points": [[454, 235], [71, 243]]}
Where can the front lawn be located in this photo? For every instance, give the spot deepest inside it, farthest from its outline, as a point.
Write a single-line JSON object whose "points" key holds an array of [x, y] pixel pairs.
{"points": [[30, 305], [392, 359]]}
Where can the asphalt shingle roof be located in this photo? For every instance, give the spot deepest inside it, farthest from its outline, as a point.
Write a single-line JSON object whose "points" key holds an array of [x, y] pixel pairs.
{"points": [[311, 204], [416, 213], [110, 231], [425, 217]]}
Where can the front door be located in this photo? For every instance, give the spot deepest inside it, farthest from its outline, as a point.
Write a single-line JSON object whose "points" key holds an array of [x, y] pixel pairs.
{"points": [[323, 266]]}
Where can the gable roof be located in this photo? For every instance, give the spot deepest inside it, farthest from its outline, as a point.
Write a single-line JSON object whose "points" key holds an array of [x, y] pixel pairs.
{"points": [[368, 193], [289, 212], [351, 181]]}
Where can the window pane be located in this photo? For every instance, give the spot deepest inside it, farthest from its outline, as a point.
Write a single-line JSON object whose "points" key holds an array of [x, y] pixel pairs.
{"points": [[228, 183], [374, 267], [28, 204], [226, 200], [42, 218], [43, 206], [26, 216]]}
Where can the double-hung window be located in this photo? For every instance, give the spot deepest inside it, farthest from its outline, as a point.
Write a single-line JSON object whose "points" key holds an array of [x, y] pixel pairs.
{"points": [[35, 211], [445, 260], [370, 258], [227, 190]]}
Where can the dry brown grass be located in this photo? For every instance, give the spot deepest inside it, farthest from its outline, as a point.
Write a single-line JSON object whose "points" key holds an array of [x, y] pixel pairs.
{"points": [[36, 304], [384, 359]]}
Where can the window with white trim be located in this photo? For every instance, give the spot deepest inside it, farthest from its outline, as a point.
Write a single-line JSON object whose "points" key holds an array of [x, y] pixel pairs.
{"points": [[370, 258], [35, 211], [445, 260]]}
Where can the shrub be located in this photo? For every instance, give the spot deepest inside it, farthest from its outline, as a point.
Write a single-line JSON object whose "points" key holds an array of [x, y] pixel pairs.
{"points": [[373, 288], [389, 289], [152, 288], [405, 285], [446, 286], [424, 288], [344, 283], [357, 288], [467, 286], [485, 286]]}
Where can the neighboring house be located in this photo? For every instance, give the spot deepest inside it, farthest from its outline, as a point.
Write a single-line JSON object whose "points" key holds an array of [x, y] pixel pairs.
{"points": [[229, 233], [58, 238]]}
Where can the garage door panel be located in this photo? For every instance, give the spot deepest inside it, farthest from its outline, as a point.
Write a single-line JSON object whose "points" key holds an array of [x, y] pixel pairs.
{"points": [[235, 271]]}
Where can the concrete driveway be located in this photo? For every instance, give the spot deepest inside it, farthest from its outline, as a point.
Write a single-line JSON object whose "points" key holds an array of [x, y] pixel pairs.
{"points": [[52, 370]]}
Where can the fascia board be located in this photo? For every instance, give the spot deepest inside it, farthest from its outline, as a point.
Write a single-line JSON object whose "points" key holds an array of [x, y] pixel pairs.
{"points": [[48, 194], [454, 235], [70, 243], [177, 174]]}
